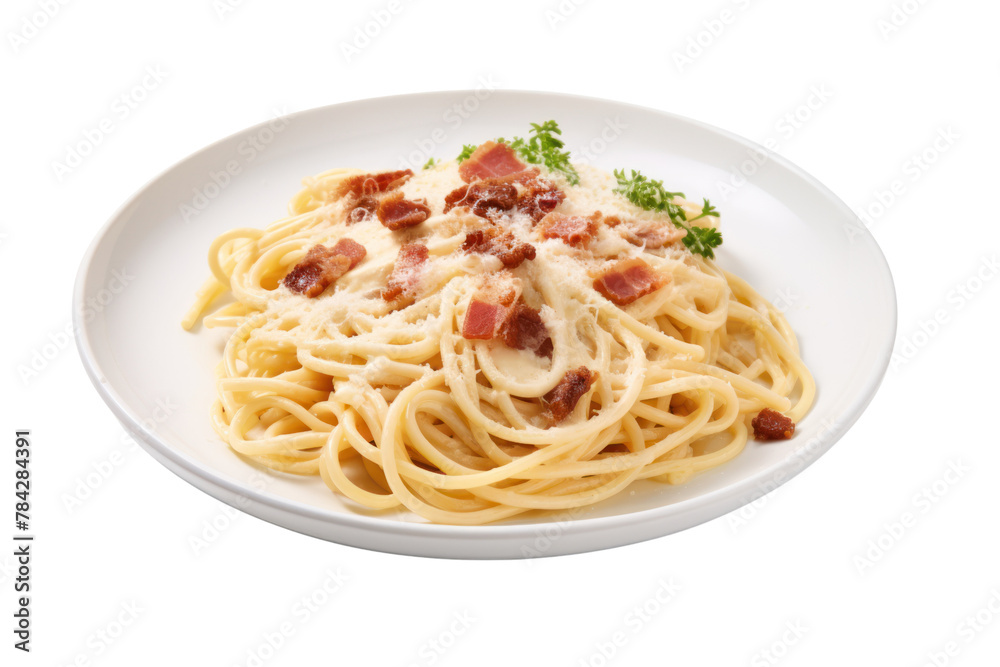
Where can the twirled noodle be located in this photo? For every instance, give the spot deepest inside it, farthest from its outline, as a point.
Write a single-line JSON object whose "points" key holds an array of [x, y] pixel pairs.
{"points": [[391, 405]]}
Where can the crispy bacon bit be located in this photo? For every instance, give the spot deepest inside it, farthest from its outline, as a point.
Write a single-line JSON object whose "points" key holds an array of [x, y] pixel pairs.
{"points": [[361, 208], [452, 199], [503, 246], [523, 329], [482, 320], [502, 288], [491, 195], [371, 184], [350, 249], [490, 160], [650, 234], [396, 212], [479, 240], [490, 305], [574, 230], [771, 425], [628, 280], [510, 251], [406, 271], [322, 266], [539, 198], [563, 398], [493, 313], [612, 221]]}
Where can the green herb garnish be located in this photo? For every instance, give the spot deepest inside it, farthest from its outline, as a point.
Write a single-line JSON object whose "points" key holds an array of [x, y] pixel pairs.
{"points": [[648, 194], [467, 150], [544, 147], [701, 240], [430, 163], [652, 196]]}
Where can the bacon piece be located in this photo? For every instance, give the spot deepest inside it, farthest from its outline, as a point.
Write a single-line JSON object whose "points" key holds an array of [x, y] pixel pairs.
{"points": [[559, 402], [452, 199], [479, 240], [491, 195], [490, 160], [510, 251], [350, 249], [490, 305], [371, 184], [650, 234], [517, 324], [771, 425], [482, 320], [396, 212], [322, 266], [539, 198], [574, 230], [361, 208], [628, 280], [502, 245], [406, 271], [523, 329]]}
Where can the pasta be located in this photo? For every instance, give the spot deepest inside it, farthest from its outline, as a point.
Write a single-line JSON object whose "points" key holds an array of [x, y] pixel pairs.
{"points": [[475, 345]]}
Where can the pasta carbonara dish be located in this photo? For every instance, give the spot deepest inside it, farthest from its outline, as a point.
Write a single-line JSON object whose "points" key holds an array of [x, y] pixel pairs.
{"points": [[492, 335]]}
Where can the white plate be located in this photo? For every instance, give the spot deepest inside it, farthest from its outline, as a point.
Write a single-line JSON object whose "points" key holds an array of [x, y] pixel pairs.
{"points": [[793, 239]]}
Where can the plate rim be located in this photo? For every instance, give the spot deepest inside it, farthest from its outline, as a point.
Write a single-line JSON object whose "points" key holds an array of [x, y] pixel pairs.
{"points": [[735, 495]]}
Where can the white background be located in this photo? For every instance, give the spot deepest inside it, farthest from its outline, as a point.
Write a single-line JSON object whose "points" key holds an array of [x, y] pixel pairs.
{"points": [[875, 555]]}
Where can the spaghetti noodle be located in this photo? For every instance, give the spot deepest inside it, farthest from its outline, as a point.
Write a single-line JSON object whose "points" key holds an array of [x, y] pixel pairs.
{"points": [[394, 397]]}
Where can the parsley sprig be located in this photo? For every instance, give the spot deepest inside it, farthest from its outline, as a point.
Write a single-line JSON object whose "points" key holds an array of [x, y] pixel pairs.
{"points": [[467, 151], [430, 163], [652, 196], [543, 147], [648, 194], [701, 240]]}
